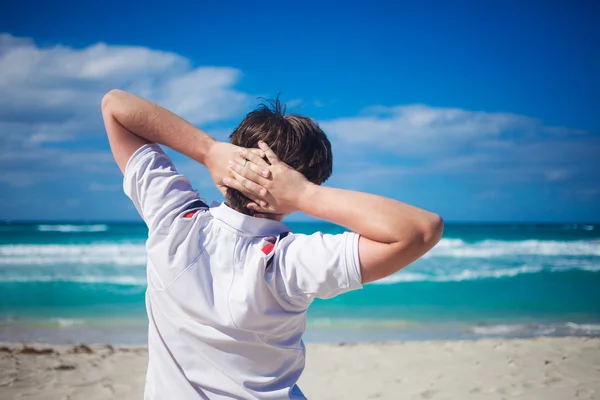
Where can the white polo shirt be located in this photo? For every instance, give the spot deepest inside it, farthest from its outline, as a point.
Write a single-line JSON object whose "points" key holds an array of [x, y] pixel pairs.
{"points": [[227, 293]]}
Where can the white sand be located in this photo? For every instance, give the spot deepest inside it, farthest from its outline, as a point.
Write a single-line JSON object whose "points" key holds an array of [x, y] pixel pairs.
{"points": [[540, 369]]}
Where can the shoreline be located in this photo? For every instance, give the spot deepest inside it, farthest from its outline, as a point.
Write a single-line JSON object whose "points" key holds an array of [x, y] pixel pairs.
{"points": [[537, 368], [132, 331]]}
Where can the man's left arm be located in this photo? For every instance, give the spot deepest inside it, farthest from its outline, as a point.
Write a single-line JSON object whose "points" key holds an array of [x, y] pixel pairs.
{"points": [[131, 122]]}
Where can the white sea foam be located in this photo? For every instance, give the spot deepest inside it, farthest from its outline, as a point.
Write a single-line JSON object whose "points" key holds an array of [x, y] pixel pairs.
{"points": [[403, 277], [544, 331], [497, 329], [116, 280], [495, 248], [135, 253], [453, 260], [91, 279], [122, 254], [560, 329], [591, 268], [67, 322], [587, 328], [72, 228], [464, 275], [566, 265]]}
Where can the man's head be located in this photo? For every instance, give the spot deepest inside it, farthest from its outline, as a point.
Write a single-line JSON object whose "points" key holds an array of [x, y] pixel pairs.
{"points": [[297, 140]]}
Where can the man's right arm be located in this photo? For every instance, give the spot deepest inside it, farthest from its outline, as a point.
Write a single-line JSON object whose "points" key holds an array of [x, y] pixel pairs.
{"points": [[392, 234]]}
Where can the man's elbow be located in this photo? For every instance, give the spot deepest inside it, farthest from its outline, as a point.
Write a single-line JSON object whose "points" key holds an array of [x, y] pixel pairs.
{"points": [[427, 233], [424, 232], [109, 99], [433, 230]]}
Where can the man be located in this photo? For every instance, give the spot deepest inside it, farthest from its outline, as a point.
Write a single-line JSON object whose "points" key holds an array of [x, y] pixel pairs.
{"points": [[227, 291]]}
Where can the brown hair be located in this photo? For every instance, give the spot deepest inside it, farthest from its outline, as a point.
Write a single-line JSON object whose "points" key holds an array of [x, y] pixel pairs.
{"points": [[297, 140]]}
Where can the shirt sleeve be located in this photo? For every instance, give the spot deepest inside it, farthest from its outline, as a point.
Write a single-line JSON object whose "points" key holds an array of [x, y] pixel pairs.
{"points": [[316, 266], [158, 192]]}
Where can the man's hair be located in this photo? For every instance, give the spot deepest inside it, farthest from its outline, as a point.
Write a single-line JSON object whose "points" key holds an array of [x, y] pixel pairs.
{"points": [[297, 140]]}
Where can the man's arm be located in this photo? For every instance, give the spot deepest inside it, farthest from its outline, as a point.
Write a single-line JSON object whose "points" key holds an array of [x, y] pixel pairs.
{"points": [[132, 122], [393, 234]]}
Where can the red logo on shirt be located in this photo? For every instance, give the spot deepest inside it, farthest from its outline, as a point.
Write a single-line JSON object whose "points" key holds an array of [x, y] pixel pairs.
{"points": [[190, 214], [268, 248]]}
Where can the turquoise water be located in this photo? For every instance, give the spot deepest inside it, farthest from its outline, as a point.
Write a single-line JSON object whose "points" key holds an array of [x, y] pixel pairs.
{"points": [[66, 282]]}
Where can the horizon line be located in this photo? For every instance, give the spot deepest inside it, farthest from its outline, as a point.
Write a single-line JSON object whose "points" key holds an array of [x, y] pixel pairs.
{"points": [[457, 222]]}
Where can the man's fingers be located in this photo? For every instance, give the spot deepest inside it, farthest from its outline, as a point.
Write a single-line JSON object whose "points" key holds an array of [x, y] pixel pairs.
{"points": [[235, 183], [257, 157], [255, 163], [247, 179], [271, 156], [251, 189], [243, 168], [256, 207]]}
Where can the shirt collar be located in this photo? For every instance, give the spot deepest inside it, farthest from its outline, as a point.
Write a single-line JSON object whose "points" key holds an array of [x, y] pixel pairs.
{"points": [[247, 224]]}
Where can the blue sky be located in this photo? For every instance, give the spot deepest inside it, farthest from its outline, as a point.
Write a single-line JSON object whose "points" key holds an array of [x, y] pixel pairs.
{"points": [[480, 112]]}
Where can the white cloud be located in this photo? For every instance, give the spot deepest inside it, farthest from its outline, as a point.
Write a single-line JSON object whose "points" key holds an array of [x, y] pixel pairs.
{"points": [[51, 95], [493, 147], [420, 129], [60, 83]]}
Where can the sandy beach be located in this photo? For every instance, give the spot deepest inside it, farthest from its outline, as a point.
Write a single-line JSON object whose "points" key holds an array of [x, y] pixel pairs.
{"points": [[544, 368]]}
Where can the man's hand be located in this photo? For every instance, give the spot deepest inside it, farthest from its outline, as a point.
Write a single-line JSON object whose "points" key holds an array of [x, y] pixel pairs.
{"points": [[132, 122], [282, 187], [217, 162]]}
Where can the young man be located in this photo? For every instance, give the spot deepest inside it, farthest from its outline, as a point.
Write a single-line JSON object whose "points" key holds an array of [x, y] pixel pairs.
{"points": [[228, 292]]}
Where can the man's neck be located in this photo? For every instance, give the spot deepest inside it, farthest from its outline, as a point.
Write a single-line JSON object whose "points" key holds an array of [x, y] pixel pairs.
{"points": [[274, 217]]}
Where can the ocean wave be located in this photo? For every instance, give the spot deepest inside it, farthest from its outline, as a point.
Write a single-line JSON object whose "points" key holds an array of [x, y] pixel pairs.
{"points": [[59, 322], [560, 267], [587, 328], [459, 276], [399, 277], [125, 280], [121, 254], [73, 228], [451, 260], [559, 329], [458, 248], [496, 329], [67, 322], [324, 322]]}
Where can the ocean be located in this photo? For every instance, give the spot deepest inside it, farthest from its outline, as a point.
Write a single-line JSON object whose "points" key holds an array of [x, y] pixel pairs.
{"points": [[71, 283]]}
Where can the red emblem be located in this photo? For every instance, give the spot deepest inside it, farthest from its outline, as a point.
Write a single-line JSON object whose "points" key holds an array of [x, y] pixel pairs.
{"points": [[190, 214], [268, 248]]}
